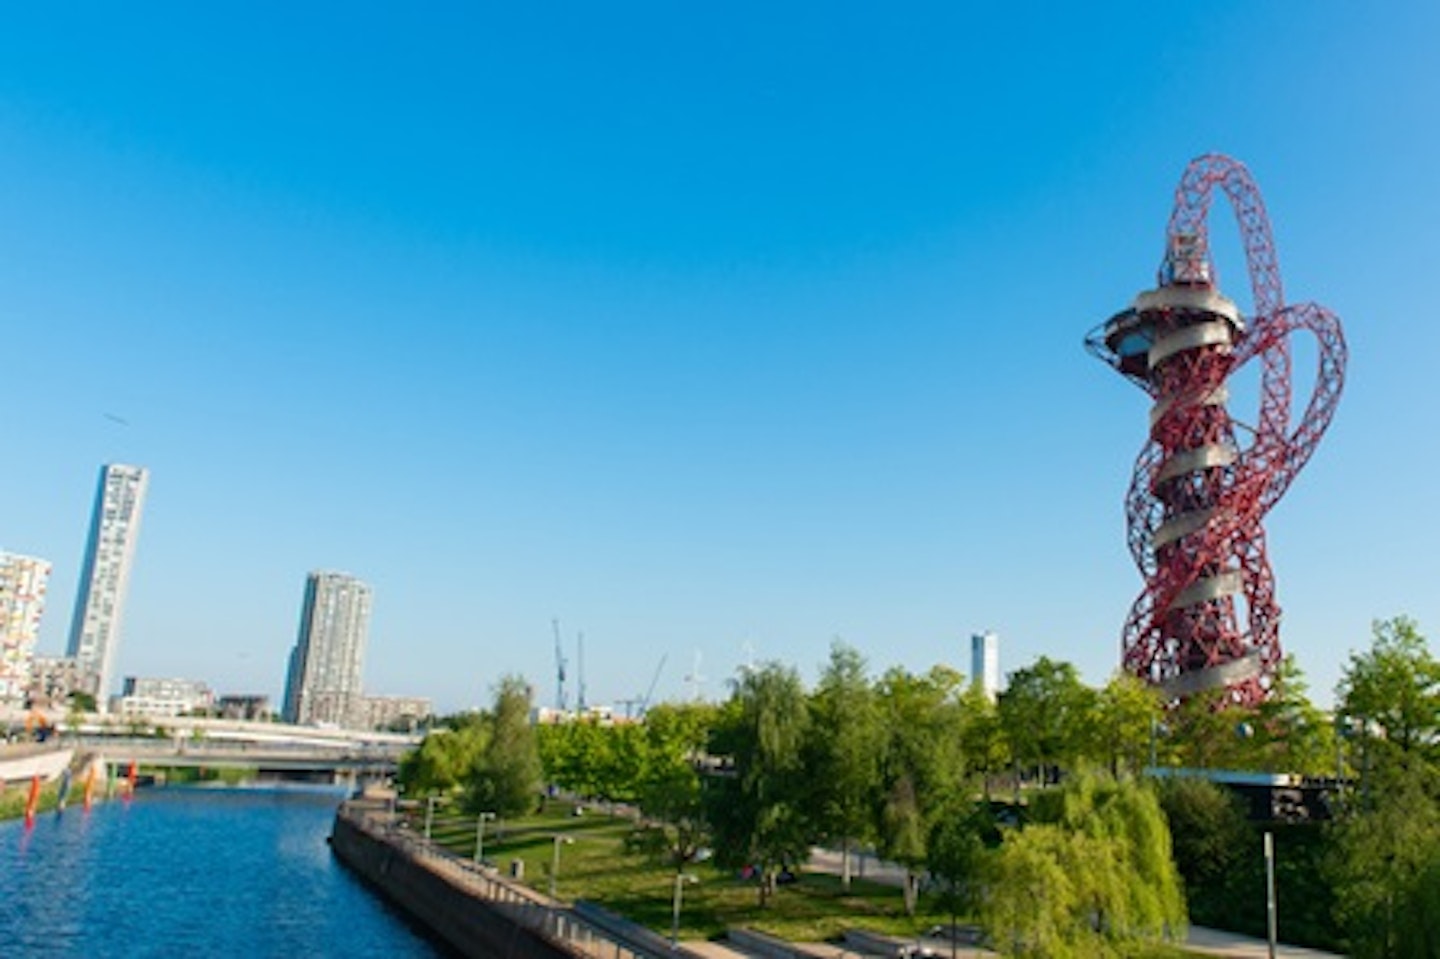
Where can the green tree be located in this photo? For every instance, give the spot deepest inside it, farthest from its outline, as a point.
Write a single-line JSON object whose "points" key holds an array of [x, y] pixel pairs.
{"points": [[1208, 731], [958, 852], [1383, 865], [758, 812], [1210, 836], [1128, 712], [1045, 713], [982, 742], [843, 753], [922, 767], [1292, 734], [1392, 690], [671, 790], [446, 758], [1092, 875], [507, 776]]}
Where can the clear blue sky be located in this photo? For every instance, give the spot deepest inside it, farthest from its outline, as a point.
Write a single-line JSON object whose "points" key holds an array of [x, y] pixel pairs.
{"points": [[692, 325]]}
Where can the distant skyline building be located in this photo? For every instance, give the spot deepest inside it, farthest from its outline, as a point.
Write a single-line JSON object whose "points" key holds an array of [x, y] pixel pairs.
{"points": [[985, 663], [22, 603], [53, 679], [105, 577], [327, 665], [146, 696]]}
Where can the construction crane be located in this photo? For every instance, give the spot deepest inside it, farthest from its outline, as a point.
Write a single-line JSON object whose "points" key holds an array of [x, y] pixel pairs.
{"points": [[654, 680], [559, 667], [580, 704]]}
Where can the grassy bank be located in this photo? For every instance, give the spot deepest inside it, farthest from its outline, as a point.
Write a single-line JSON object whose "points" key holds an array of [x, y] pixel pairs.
{"points": [[599, 864], [13, 798]]}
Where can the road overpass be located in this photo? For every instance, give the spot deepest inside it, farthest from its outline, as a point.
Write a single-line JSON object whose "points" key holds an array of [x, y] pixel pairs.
{"points": [[274, 750]]}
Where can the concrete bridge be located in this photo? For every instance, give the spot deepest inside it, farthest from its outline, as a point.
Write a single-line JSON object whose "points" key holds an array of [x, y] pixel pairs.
{"points": [[274, 750]]}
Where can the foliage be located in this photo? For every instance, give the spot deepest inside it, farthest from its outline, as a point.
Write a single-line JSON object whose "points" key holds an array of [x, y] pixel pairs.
{"points": [[1127, 712], [982, 742], [1045, 712], [1209, 837], [447, 757], [1392, 690], [1092, 875], [1383, 864], [670, 791], [922, 767], [507, 774], [843, 753], [958, 854], [759, 813]]}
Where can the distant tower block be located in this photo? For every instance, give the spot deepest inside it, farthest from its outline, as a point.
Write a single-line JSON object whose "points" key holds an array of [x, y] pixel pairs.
{"points": [[22, 601], [105, 580], [327, 665], [985, 663], [1207, 618]]}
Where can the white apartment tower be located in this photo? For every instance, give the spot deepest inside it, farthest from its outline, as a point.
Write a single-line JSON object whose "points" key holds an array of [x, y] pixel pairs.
{"points": [[22, 601], [985, 663], [326, 666], [105, 578]]}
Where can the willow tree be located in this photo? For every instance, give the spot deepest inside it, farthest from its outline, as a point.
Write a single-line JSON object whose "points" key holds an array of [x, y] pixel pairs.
{"points": [[1092, 875]]}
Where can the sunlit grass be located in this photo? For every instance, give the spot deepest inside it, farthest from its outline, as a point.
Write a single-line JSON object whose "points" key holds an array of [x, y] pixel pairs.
{"points": [[598, 866]]}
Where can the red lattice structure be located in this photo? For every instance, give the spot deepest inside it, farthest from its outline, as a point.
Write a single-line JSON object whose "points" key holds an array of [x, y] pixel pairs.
{"points": [[1208, 618]]}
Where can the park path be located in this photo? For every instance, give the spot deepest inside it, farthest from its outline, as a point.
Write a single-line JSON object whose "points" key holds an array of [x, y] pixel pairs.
{"points": [[1210, 942]]}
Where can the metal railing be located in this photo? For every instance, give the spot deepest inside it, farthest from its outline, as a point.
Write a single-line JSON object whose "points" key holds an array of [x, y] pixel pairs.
{"points": [[554, 920]]}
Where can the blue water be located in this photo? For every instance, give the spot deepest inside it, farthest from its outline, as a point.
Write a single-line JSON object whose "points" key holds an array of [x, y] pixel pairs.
{"points": [[190, 872]]}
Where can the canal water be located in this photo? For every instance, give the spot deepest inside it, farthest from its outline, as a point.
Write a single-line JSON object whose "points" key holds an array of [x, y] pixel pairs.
{"points": [[192, 872]]}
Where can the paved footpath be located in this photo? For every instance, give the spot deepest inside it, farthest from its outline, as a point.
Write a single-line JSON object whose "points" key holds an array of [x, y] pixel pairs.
{"points": [[1210, 942]]}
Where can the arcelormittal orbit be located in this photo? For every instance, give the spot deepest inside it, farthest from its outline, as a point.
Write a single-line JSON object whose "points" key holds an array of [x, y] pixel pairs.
{"points": [[1207, 618]]}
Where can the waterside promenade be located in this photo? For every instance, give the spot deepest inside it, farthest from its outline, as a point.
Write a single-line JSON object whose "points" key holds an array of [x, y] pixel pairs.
{"points": [[481, 913]]}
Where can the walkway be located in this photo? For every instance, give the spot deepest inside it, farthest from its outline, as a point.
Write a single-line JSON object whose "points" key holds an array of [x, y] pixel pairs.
{"points": [[1209, 942]]}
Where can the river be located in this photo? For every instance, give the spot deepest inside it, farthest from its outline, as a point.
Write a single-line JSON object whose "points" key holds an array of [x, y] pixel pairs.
{"points": [[192, 872]]}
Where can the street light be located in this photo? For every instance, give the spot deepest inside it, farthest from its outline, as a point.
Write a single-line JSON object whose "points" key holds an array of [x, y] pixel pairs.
{"points": [[680, 879], [430, 802], [480, 836], [555, 861]]}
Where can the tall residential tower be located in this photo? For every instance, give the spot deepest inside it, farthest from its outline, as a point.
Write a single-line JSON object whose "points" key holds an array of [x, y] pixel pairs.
{"points": [[326, 666], [22, 600], [105, 578], [985, 663]]}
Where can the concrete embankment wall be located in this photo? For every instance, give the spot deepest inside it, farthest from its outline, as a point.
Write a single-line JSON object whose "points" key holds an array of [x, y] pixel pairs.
{"points": [[439, 896]]}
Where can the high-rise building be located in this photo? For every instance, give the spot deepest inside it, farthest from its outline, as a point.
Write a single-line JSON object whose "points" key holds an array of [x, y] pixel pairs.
{"points": [[22, 601], [985, 663], [327, 664], [105, 578]]}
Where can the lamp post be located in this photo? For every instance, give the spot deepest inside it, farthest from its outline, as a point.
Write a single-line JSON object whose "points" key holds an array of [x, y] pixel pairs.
{"points": [[555, 861], [480, 836], [1270, 936], [681, 879], [430, 802], [1157, 729]]}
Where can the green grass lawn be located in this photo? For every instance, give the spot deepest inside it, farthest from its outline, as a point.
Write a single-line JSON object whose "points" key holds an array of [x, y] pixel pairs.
{"points": [[598, 866]]}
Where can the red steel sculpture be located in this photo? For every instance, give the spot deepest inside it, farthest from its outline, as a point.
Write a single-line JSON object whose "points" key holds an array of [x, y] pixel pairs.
{"points": [[1207, 618]]}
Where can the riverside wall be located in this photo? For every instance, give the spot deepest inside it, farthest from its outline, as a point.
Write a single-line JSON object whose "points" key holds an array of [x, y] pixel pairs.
{"points": [[476, 914]]}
